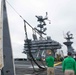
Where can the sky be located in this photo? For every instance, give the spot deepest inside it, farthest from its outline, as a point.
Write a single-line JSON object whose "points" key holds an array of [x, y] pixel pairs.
{"points": [[62, 14]]}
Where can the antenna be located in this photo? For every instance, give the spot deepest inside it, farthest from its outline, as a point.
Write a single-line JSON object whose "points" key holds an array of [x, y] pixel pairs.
{"points": [[46, 15], [47, 18]]}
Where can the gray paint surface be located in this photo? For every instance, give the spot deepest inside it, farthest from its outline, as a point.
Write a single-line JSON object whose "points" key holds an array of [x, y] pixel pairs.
{"points": [[8, 68]]}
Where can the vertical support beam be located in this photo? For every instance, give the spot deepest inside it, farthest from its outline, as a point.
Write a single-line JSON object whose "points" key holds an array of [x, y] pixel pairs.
{"points": [[8, 68], [1, 40]]}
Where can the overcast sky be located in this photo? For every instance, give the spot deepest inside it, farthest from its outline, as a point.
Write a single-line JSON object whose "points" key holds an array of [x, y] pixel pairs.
{"points": [[62, 14]]}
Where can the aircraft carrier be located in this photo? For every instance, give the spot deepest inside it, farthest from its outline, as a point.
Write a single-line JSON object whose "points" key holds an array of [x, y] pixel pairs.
{"points": [[34, 48], [38, 46], [34, 67]]}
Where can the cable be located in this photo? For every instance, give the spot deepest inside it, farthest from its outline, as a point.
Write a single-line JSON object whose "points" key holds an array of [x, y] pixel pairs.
{"points": [[22, 18], [13, 8], [19, 14]]}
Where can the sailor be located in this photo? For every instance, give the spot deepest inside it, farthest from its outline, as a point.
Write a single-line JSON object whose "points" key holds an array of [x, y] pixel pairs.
{"points": [[50, 63], [69, 65]]}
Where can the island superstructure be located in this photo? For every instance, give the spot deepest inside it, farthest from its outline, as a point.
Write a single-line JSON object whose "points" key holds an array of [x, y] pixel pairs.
{"points": [[38, 46], [69, 43]]}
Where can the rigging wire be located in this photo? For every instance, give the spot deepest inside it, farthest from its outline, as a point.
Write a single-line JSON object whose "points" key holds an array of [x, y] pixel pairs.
{"points": [[13, 8], [19, 14], [22, 18]]}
